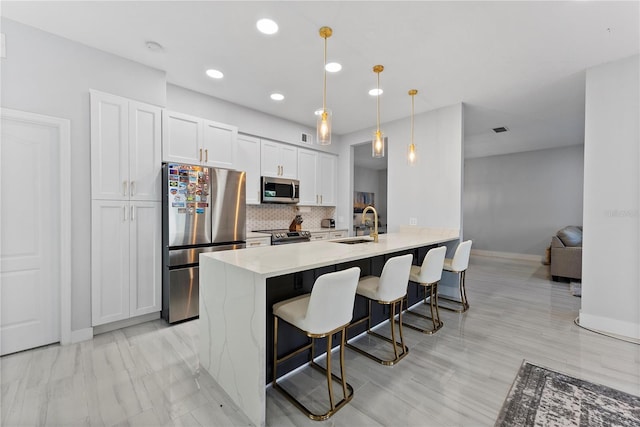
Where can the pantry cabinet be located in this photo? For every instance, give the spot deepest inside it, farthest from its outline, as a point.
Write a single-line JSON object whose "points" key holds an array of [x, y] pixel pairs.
{"points": [[194, 140], [126, 229]]}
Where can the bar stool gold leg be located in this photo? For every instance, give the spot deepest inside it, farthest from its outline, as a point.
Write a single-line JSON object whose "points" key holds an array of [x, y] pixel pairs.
{"points": [[342, 374], [463, 303], [433, 308], [329, 340]]}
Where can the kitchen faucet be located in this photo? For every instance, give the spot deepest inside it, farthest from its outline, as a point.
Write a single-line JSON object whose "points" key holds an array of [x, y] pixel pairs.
{"points": [[375, 221]]}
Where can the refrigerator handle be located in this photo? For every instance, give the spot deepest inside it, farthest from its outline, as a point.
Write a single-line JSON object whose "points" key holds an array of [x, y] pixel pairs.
{"points": [[124, 188]]}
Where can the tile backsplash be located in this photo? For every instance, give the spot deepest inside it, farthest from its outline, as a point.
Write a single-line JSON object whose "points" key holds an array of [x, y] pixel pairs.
{"points": [[274, 216]]}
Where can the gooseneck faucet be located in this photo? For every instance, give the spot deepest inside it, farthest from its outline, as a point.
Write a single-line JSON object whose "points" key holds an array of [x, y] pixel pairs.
{"points": [[375, 221]]}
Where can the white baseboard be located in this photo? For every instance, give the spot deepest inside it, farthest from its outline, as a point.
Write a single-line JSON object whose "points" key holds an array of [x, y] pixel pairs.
{"points": [[108, 327], [608, 325], [507, 255], [81, 335]]}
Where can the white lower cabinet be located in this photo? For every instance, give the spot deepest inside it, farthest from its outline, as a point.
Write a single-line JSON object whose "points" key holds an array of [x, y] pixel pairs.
{"points": [[337, 234], [125, 259], [254, 242], [319, 235]]}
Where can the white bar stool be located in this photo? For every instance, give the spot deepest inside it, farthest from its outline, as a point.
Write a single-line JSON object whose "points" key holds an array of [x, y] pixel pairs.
{"points": [[389, 289], [459, 264], [428, 275], [325, 311]]}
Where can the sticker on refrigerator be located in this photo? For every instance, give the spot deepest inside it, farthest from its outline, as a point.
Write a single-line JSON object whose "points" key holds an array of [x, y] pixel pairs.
{"points": [[174, 191], [182, 210], [203, 205], [182, 185], [173, 183], [177, 204], [199, 210]]}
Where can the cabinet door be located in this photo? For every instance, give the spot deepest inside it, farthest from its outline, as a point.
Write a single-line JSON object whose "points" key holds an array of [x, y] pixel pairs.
{"points": [[145, 151], [289, 161], [181, 138], [109, 147], [109, 261], [269, 158], [145, 271], [307, 165], [219, 145], [327, 179], [248, 160]]}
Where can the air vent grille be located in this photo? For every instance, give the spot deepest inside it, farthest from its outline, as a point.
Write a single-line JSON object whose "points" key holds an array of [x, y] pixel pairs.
{"points": [[500, 129], [306, 138]]}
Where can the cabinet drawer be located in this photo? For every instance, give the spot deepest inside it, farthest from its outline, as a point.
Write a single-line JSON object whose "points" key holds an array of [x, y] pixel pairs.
{"points": [[337, 234], [258, 241], [319, 236]]}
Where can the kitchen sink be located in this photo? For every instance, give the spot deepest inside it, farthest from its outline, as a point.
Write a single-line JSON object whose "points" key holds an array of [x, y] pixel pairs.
{"points": [[353, 241]]}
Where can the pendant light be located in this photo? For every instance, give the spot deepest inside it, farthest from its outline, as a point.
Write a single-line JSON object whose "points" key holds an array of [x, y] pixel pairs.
{"points": [[377, 145], [412, 147], [323, 127]]}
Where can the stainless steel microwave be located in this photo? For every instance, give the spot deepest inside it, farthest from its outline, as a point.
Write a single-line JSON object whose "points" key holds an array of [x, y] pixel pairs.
{"points": [[280, 190]]}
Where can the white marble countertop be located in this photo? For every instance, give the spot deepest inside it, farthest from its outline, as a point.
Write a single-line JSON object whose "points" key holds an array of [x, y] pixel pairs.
{"points": [[270, 261]]}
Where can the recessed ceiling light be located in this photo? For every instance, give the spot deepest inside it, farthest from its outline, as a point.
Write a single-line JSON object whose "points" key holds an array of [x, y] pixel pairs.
{"points": [[375, 92], [277, 96], [333, 67], [267, 26], [214, 74]]}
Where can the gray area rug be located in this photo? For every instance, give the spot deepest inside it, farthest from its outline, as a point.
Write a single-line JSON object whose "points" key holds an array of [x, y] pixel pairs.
{"points": [[542, 397]]}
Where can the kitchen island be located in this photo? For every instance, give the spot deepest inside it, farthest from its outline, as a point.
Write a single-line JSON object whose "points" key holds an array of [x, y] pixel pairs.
{"points": [[235, 301]]}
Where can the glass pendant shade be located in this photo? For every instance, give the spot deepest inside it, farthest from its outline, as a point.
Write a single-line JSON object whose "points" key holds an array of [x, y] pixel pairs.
{"points": [[377, 144], [323, 134], [411, 154]]}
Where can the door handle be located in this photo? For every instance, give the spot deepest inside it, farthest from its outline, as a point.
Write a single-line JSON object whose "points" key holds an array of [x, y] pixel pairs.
{"points": [[321, 199], [206, 155], [124, 188], [133, 213], [133, 187]]}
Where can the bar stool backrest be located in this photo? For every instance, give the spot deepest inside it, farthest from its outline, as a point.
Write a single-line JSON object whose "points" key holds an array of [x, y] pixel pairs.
{"points": [[431, 270], [331, 302], [460, 261], [394, 278]]}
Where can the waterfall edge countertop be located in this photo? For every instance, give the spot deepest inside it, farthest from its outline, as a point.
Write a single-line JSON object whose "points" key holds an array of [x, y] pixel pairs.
{"points": [[233, 304], [270, 261]]}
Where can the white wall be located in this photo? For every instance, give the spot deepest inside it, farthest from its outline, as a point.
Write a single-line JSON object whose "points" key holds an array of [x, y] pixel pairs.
{"points": [[516, 202], [50, 75], [430, 191], [611, 251], [248, 121]]}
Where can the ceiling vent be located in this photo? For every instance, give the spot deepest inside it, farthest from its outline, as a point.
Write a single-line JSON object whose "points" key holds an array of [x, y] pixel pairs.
{"points": [[500, 129], [306, 138]]}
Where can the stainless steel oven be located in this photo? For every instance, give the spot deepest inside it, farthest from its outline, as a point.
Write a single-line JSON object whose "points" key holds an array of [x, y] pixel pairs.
{"points": [[280, 190]]}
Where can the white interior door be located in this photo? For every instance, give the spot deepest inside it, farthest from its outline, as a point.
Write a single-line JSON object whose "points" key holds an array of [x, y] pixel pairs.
{"points": [[30, 234]]}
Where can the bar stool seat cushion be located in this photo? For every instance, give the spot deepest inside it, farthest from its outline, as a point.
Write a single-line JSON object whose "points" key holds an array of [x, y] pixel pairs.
{"points": [[368, 287], [293, 310]]}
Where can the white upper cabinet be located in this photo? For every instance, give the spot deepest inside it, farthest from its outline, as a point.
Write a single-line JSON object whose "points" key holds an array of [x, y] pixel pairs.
{"points": [[182, 138], [307, 166], [248, 160], [278, 160], [188, 139], [327, 179], [126, 143], [219, 145], [318, 178]]}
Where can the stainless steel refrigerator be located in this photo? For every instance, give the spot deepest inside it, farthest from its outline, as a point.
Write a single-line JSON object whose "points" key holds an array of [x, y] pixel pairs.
{"points": [[204, 210]]}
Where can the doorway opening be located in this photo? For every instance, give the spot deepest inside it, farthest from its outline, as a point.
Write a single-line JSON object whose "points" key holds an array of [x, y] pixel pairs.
{"points": [[369, 188]]}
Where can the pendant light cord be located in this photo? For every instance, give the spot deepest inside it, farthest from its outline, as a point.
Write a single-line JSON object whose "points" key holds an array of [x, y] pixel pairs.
{"points": [[412, 98], [378, 102], [324, 84]]}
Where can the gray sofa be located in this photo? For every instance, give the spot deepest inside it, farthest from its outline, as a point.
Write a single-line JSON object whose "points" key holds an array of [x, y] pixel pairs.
{"points": [[566, 254]]}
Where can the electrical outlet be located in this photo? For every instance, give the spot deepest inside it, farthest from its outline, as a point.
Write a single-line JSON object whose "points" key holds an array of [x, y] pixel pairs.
{"points": [[413, 221]]}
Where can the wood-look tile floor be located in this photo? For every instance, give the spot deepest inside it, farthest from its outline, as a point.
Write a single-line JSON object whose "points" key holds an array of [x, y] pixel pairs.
{"points": [[148, 374]]}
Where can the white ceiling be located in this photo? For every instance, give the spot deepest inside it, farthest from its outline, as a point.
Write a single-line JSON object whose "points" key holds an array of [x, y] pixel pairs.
{"points": [[514, 64]]}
